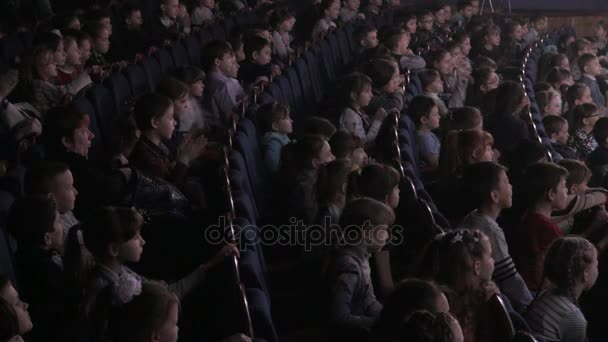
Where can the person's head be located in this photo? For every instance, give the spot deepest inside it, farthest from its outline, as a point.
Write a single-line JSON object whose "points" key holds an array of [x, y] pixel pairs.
{"points": [[14, 317], [581, 47], [600, 132], [466, 147], [52, 179], [465, 8], [169, 8], [69, 22], [366, 36], [461, 259], [466, 118], [370, 220], [150, 316], [237, 42], [313, 150], [410, 23], [54, 43], [586, 115], [380, 182], [44, 66], [193, 77], [346, 145], [424, 113], [425, 326], [282, 20], [441, 60], [565, 42], [577, 94], [218, 56], [101, 17], [513, 31], [154, 113], [485, 80], [316, 125], [113, 234], [487, 185], [410, 295], [68, 129], [84, 44], [100, 38], [431, 81], [578, 175], [34, 222], [439, 16], [491, 36], [425, 21], [589, 65], [177, 91], [475, 4], [601, 30], [549, 102], [509, 98], [356, 90], [464, 42], [454, 49], [258, 50], [545, 183], [559, 60], [485, 62], [384, 74], [72, 51], [557, 128], [333, 182], [395, 39], [132, 17], [557, 78], [274, 117], [570, 263], [330, 9], [208, 3], [539, 22]]}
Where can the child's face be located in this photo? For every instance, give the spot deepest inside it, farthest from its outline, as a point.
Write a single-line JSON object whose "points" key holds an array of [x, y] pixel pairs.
{"points": [[170, 8], [475, 4], [426, 22], [169, 331], [445, 65], [447, 12], [364, 98], [467, 12], [74, 24], [54, 240], [59, 56], [370, 40], [197, 88], [208, 3], [581, 188], [541, 25], [165, 124], [585, 97], [486, 262], [63, 192], [411, 26], [81, 139], [394, 82], [593, 68], [440, 17], [333, 11], [432, 119], [263, 56], [11, 296], [46, 66], [288, 24], [503, 193], [180, 106], [436, 86], [559, 195], [73, 55], [239, 54], [403, 44], [325, 156], [465, 46], [554, 107], [376, 238], [517, 33], [392, 199], [525, 29], [107, 23], [493, 39], [486, 154], [562, 136], [85, 51], [130, 251], [283, 125], [102, 42], [565, 64], [359, 158], [352, 5], [457, 56], [228, 65], [135, 20]]}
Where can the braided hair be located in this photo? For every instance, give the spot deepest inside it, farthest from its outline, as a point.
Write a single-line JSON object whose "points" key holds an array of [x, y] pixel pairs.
{"points": [[566, 261]]}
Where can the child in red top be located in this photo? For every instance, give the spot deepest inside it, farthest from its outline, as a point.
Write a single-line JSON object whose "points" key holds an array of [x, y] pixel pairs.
{"points": [[70, 70], [545, 189]]}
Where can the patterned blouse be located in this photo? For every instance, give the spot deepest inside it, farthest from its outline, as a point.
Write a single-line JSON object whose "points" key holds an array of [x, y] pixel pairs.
{"points": [[582, 142]]}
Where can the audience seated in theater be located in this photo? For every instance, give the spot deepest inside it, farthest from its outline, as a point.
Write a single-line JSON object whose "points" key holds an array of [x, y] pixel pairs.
{"points": [[346, 145], [329, 12], [275, 123], [16, 321], [582, 140], [557, 131], [425, 114]]}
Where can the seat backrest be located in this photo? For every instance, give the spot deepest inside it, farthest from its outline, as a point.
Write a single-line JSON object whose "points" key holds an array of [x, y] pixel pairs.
{"points": [[179, 55], [312, 62], [121, 92], [326, 57], [103, 102], [136, 75], [164, 58], [296, 90], [275, 90], [194, 47], [153, 71], [261, 318], [308, 94], [500, 321], [286, 91]]}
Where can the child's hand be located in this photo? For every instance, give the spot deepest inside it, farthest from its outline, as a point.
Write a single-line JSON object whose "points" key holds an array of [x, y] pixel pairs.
{"points": [[380, 114], [191, 148], [18, 338], [276, 71], [226, 251], [237, 338]]}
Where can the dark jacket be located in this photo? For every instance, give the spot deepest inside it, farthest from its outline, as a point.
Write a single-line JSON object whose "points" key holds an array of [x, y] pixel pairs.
{"points": [[154, 161], [249, 71]]}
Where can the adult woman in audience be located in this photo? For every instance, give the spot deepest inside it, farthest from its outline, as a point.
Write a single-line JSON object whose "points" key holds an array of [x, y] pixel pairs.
{"points": [[15, 321]]}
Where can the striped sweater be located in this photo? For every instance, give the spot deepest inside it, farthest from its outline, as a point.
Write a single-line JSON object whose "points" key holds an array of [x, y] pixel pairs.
{"points": [[556, 318]]}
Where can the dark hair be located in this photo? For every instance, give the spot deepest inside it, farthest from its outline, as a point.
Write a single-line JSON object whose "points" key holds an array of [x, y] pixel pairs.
{"points": [[553, 124], [463, 4], [30, 218], [308, 148], [332, 178], [466, 117], [557, 75], [460, 36], [583, 111], [49, 41], [364, 211], [566, 261], [600, 131], [278, 16], [354, 82], [95, 29], [271, 113], [390, 36], [575, 92], [420, 107], [481, 76], [172, 88], [375, 181], [361, 31], [424, 326], [578, 172], [543, 98], [509, 96], [380, 71], [479, 180], [584, 60], [216, 49], [316, 125], [344, 143], [410, 295], [542, 86], [427, 77], [460, 146], [39, 179], [189, 74], [540, 178], [109, 225], [324, 5], [150, 106], [140, 318], [61, 122], [579, 45], [128, 8], [9, 324], [435, 57], [254, 44]]}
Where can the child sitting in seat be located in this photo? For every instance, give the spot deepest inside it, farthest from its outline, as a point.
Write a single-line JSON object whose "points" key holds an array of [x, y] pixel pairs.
{"points": [[387, 86], [167, 27], [71, 68], [397, 41], [582, 140], [257, 65], [202, 12], [133, 39], [329, 12], [14, 312], [425, 114], [282, 22], [557, 130], [432, 85], [276, 125], [193, 77], [350, 11], [346, 145], [491, 44], [590, 68], [466, 118]]}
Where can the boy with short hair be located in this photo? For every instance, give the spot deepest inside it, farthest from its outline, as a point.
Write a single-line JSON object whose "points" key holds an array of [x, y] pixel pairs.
{"points": [[557, 130], [276, 124], [133, 40], [425, 114], [490, 192], [100, 45], [545, 191], [366, 37], [432, 85], [538, 26], [464, 14], [590, 68], [353, 304], [224, 92], [167, 27], [397, 41], [257, 65]]}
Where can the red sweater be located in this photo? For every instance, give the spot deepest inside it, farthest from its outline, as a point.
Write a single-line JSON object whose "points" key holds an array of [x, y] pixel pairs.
{"points": [[537, 233]]}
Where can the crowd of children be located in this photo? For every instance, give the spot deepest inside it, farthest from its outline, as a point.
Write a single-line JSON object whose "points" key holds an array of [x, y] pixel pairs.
{"points": [[523, 226]]}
